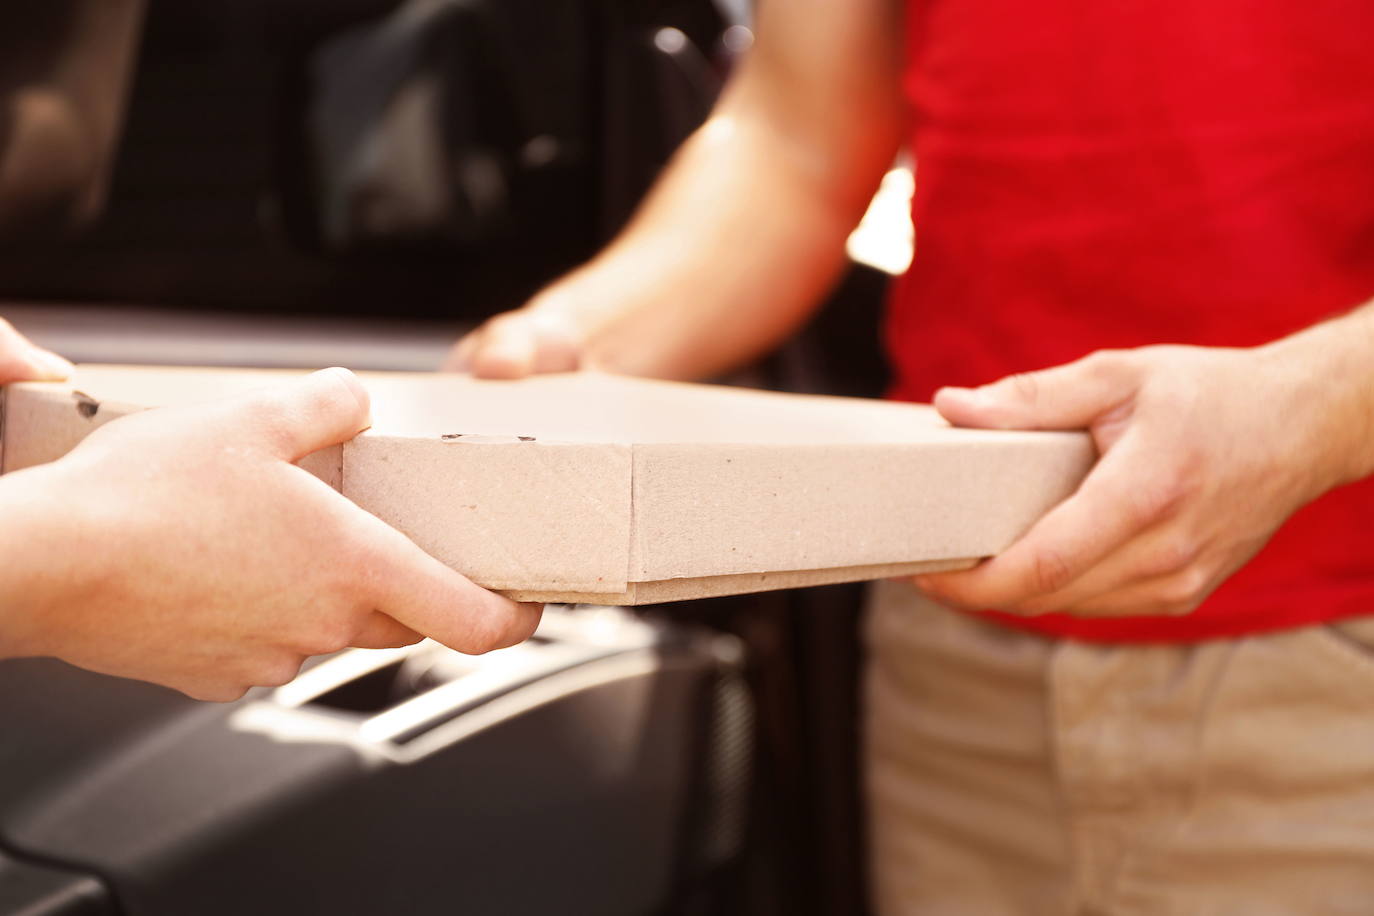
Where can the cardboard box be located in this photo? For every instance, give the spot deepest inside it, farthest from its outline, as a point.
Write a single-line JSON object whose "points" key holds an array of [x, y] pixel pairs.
{"points": [[599, 489]]}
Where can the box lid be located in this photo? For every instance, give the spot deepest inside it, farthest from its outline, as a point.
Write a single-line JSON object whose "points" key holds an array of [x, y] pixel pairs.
{"points": [[591, 487]]}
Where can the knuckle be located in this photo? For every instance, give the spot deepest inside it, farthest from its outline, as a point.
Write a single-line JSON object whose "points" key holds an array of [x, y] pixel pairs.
{"points": [[1100, 360], [1162, 498], [1026, 387], [381, 631], [475, 632], [1108, 360], [328, 644], [1032, 608], [1050, 571], [1110, 366], [505, 327], [1174, 608], [400, 639], [1151, 352], [215, 692], [1185, 591], [324, 639], [1174, 555], [1197, 582], [1156, 356], [508, 627], [1187, 463], [278, 671], [488, 635], [524, 621], [477, 643], [517, 320], [941, 589]]}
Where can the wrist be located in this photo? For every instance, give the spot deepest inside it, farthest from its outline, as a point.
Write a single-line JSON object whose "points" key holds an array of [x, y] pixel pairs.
{"points": [[62, 554], [1329, 370], [28, 577]]}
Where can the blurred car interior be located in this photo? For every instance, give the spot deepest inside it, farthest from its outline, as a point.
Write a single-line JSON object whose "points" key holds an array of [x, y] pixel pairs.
{"points": [[317, 182]]}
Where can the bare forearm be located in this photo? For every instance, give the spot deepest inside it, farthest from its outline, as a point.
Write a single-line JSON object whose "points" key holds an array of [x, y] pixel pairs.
{"points": [[745, 231], [1337, 377], [34, 563], [729, 255]]}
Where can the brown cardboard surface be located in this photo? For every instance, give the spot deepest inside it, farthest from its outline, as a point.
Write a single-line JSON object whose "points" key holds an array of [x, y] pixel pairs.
{"points": [[716, 586], [592, 488], [539, 516]]}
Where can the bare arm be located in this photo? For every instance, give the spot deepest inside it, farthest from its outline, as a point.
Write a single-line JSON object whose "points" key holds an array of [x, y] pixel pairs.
{"points": [[745, 231]]}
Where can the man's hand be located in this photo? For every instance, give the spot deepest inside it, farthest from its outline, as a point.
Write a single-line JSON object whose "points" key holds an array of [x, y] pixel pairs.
{"points": [[183, 547], [23, 361], [1205, 453], [519, 343]]}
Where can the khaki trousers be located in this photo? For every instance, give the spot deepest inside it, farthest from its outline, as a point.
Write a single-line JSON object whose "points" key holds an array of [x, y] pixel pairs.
{"points": [[1013, 774]]}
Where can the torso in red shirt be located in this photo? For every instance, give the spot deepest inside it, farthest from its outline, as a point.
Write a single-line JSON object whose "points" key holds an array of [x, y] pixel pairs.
{"points": [[1117, 174]]}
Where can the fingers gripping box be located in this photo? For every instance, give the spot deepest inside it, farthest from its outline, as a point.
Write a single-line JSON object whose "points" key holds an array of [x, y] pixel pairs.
{"points": [[586, 487]]}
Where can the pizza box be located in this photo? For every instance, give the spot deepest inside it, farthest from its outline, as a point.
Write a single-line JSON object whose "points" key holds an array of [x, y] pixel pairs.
{"points": [[592, 488]]}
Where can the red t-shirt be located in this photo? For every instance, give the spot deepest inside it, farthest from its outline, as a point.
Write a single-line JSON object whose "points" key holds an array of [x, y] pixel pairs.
{"points": [[1134, 172]]}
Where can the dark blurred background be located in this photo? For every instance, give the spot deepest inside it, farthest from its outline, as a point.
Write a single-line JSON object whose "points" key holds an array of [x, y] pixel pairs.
{"points": [[306, 182], [372, 157]]}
